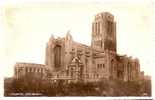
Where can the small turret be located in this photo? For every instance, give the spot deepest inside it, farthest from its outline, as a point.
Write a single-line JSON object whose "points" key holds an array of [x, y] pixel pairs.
{"points": [[68, 36]]}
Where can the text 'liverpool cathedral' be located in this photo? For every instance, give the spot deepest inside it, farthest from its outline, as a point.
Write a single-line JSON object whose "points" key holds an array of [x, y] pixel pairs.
{"points": [[72, 61]]}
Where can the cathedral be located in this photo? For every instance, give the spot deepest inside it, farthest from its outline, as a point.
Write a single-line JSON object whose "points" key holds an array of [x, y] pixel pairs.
{"points": [[66, 59]]}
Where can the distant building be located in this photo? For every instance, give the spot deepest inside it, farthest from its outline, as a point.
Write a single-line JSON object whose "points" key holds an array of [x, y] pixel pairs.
{"points": [[30, 70], [67, 59]]}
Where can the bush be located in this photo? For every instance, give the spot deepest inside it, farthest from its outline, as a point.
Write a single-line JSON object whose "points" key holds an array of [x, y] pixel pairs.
{"points": [[61, 88]]}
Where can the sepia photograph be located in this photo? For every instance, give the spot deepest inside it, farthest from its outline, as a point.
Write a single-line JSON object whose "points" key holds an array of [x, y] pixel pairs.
{"points": [[78, 48]]}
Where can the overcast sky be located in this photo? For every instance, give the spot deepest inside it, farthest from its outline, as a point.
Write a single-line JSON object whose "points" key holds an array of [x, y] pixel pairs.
{"points": [[26, 28]]}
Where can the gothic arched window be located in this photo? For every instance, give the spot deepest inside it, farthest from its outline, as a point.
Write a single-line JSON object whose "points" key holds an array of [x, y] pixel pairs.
{"points": [[57, 56]]}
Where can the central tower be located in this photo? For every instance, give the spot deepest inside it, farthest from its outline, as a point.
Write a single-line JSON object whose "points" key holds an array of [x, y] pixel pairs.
{"points": [[104, 32]]}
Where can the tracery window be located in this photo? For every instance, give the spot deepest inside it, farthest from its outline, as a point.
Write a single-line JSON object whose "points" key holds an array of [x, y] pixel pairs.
{"points": [[57, 56]]}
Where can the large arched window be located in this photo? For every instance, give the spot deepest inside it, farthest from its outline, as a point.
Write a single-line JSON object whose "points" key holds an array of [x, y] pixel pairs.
{"points": [[57, 56]]}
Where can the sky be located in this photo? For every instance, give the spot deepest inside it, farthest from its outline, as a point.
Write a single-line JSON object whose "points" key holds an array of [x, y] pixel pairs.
{"points": [[26, 26]]}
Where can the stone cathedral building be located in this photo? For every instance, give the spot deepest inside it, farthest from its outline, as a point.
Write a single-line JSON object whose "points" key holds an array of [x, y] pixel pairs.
{"points": [[69, 60]]}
